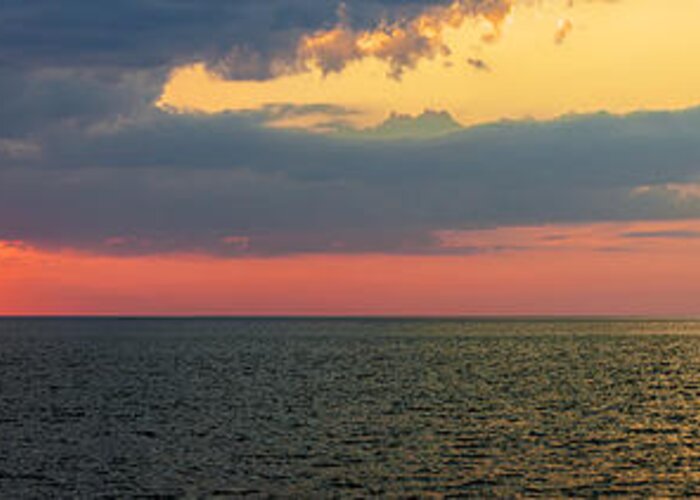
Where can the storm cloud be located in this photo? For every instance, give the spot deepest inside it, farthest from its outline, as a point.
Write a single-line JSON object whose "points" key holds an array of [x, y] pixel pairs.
{"points": [[131, 34], [166, 182], [88, 162]]}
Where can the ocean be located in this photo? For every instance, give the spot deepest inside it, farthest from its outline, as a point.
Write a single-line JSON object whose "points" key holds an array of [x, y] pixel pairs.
{"points": [[203, 408]]}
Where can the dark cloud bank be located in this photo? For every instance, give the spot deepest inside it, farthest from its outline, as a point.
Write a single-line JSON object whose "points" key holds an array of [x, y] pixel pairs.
{"points": [[156, 182], [130, 34], [87, 162]]}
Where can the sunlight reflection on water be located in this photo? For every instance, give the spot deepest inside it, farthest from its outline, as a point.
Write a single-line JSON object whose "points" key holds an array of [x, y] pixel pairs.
{"points": [[356, 407]]}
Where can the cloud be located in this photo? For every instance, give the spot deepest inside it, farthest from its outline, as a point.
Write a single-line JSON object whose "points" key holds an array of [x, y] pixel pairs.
{"points": [[478, 64], [427, 125], [37, 100], [322, 118], [678, 234], [18, 148], [682, 191], [564, 28], [144, 34], [87, 162], [242, 39], [227, 184], [590, 237], [402, 43]]}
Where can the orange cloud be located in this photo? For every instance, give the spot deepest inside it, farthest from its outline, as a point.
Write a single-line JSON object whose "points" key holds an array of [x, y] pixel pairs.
{"points": [[564, 28], [655, 43], [402, 44]]}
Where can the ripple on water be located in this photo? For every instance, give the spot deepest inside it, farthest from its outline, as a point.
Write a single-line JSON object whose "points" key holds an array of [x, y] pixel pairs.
{"points": [[230, 408]]}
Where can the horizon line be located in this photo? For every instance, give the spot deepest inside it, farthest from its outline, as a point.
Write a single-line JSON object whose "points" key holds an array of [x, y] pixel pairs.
{"points": [[330, 317]]}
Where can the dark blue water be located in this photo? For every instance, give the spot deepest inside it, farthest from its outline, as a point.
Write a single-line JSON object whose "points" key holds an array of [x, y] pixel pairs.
{"points": [[204, 408]]}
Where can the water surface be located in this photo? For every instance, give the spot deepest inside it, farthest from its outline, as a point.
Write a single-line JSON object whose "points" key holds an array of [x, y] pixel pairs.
{"points": [[220, 407]]}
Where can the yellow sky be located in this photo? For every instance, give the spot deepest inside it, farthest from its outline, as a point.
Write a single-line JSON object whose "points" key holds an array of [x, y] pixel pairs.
{"points": [[616, 56]]}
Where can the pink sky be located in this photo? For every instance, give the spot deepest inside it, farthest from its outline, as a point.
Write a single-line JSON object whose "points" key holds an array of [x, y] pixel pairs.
{"points": [[607, 269]]}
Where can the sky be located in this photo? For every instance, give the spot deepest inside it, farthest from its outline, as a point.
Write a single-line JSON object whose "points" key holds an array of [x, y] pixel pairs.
{"points": [[366, 157]]}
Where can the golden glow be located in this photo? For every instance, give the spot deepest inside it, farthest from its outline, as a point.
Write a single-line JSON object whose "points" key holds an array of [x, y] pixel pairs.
{"points": [[615, 56], [402, 45]]}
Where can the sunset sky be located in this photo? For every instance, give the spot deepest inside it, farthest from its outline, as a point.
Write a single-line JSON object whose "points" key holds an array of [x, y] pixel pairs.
{"points": [[383, 157]]}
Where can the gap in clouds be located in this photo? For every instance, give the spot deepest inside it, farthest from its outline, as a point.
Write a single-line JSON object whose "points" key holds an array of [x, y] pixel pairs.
{"points": [[605, 65]]}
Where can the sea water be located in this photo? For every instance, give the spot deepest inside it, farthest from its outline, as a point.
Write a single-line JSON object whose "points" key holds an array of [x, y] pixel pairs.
{"points": [[345, 408]]}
